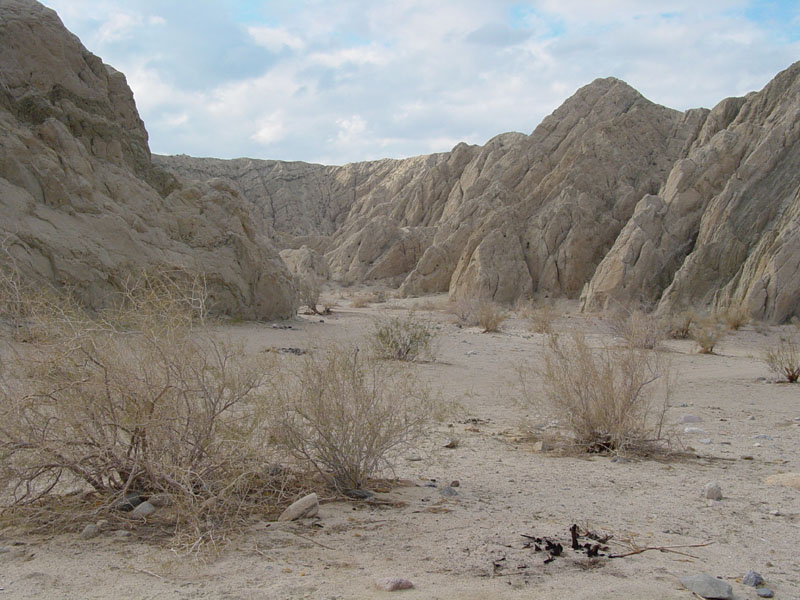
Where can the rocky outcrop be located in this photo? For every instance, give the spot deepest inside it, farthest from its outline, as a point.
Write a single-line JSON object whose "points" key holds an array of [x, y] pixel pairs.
{"points": [[724, 229], [82, 205]]}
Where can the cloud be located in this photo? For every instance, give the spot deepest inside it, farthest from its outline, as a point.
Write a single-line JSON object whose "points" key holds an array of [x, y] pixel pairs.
{"points": [[349, 80]]}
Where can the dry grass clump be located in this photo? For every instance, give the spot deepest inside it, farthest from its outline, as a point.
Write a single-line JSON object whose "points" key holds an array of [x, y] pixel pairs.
{"points": [[735, 317], [365, 299], [639, 330], [680, 325], [610, 399], [465, 311], [490, 317], [707, 333], [348, 416], [785, 360], [137, 399], [407, 339], [308, 291], [540, 318]]}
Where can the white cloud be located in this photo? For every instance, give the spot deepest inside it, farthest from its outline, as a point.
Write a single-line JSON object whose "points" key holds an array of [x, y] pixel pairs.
{"points": [[118, 27], [275, 39], [270, 129]]}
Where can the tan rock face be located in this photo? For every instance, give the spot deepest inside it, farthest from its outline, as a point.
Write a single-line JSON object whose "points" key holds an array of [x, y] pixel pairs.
{"points": [[83, 206]]}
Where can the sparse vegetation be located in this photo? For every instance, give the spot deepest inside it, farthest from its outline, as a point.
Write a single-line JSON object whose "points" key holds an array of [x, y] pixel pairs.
{"points": [[490, 317], [465, 311], [610, 399], [408, 339], [681, 324], [639, 330], [540, 318], [707, 333], [735, 317], [784, 360], [347, 416], [308, 290], [137, 399]]}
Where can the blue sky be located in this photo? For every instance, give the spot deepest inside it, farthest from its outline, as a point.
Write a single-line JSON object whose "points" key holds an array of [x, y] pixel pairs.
{"points": [[350, 80]]}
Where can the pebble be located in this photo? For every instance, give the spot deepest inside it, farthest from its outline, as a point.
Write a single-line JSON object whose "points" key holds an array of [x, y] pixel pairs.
{"points": [[705, 441], [392, 584], [765, 592], [752, 579], [307, 506], [448, 492], [707, 586], [413, 458], [143, 510], [762, 436], [712, 491], [756, 445], [128, 502], [751, 418], [359, 494], [90, 531], [455, 483], [122, 534], [470, 353], [693, 430]]}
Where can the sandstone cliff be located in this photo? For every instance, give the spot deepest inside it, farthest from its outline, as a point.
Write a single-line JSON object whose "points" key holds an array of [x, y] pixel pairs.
{"points": [[81, 203]]}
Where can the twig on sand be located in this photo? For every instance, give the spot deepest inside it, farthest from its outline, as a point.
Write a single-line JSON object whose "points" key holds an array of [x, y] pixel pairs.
{"points": [[672, 549], [308, 539]]}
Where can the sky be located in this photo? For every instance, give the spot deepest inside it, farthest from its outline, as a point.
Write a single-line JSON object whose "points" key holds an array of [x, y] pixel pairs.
{"points": [[349, 80]]}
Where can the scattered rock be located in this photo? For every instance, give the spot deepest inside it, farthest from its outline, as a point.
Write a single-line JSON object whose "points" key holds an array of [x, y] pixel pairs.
{"points": [[143, 510], [307, 506], [746, 457], [690, 419], [392, 584], [358, 494], [128, 502], [471, 353], [765, 592], [160, 500], [693, 430], [276, 326], [752, 579], [712, 491], [452, 443], [448, 492], [762, 436], [455, 483], [621, 460], [791, 480], [90, 531], [751, 418], [413, 458], [708, 587], [122, 534], [705, 441]]}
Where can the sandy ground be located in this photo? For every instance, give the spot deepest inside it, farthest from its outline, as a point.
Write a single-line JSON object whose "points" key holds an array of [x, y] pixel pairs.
{"points": [[472, 545]]}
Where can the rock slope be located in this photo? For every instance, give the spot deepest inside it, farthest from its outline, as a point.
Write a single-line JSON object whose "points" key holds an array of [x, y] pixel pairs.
{"points": [[81, 203], [612, 199]]}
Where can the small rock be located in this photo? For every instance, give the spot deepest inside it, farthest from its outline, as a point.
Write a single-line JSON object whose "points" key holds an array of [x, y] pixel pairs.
{"points": [[160, 500], [752, 579], [708, 587], [452, 443], [757, 445], [359, 494], [122, 534], [470, 353], [307, 506], [455, 483], [775, 513], [765, 592], [751, 418], [705, 441], [746, 457], [684, 405], [712, 491], [690, 419], [392, 584], [620, 459], [448, 492], [90, 531], [413, 458], [128, 502], [143, 510], [693, 430], [762, 436]]}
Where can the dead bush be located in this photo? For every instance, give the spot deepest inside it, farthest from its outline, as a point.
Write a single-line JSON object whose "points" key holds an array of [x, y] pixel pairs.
{"points": [[490, 317], [610, 399], [735, 317], [348, 416], [465, 311], [308, 291], [408, 339], [707, 332], [680, 325], [137, 399], [784, 360], [540, 318], [639, 329]]}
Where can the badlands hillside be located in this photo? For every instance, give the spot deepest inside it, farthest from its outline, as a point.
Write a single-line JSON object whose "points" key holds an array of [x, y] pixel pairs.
{"points": [[612, 199]]}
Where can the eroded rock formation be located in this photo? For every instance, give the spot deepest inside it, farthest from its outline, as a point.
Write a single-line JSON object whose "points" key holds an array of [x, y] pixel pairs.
{"points": [[81, 203]]}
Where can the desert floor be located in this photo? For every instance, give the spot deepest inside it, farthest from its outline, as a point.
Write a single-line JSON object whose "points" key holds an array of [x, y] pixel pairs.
{"points": [[472, 545]]}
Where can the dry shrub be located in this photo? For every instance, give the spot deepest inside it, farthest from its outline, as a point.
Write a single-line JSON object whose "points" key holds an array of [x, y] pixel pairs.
{"points": [[735, 317], [308, 291], [137, 399], [348, 416], [639, 329], [611, 399], [407, 339], [784, 360], [680, 325], [490, 317], [707, 333], [360, 301], [465, 311], [540, 318]]}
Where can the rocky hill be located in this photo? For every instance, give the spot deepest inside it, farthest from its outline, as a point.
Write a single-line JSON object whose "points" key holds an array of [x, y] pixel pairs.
{"points": [[612, 199], [82, 205]]}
